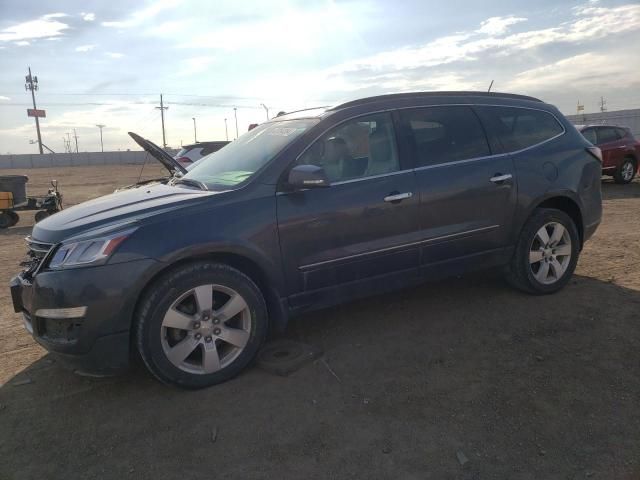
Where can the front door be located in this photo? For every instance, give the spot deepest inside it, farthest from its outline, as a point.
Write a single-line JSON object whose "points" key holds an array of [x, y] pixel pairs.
{"points": [[363, 226]]}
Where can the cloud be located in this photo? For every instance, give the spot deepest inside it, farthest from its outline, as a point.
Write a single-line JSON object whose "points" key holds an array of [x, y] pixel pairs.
{"points": [[85, 48], [138, 17], [114, 55], [499, 25], [44, 27], [4, 99], [589, 23], [88, 17], [191, 66], [22, 43], [587, 70]]}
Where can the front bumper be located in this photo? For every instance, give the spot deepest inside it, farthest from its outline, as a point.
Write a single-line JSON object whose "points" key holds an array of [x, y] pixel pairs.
{"points": [[98, 341]]}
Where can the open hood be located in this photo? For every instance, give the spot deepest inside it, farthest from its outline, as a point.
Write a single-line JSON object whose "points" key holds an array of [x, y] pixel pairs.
{"points": [[159, 154]]}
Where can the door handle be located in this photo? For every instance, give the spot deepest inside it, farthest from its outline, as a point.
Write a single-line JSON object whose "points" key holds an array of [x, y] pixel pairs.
{"points": [[498, 178], [397, 197]]}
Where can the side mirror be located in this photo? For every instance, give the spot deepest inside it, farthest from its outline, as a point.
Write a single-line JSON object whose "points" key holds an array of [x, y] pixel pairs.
{"points": [[308, 176]]}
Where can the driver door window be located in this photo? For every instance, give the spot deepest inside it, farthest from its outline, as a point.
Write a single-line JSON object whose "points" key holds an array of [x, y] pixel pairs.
{"points": [[359, 148]]}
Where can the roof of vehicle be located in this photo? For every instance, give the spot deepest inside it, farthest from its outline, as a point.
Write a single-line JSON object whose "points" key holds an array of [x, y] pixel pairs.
{"points": [[206, 143], [582, 127], [399, 96], [317, 112]]}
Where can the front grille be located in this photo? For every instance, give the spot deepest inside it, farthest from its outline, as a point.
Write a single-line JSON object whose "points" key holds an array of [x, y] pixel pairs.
{"points": [[35, 254]]}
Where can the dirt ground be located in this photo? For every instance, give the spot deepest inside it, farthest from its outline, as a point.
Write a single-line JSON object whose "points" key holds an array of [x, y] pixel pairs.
{"points": [[462, 379]]}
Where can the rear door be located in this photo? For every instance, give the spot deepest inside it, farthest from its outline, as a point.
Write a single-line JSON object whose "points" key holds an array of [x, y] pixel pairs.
{"points": [[363, 226], [467, 194], [612, 147]]}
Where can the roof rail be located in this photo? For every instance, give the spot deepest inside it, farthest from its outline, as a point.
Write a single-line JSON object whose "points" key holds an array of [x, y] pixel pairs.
{"points": [[378, 98]]}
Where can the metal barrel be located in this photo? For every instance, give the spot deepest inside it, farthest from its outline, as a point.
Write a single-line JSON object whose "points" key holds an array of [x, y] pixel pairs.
{"points": [[17, 185]]}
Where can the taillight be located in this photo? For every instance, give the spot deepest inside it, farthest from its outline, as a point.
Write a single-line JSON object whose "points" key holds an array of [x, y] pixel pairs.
{"points": [[595, 153]]}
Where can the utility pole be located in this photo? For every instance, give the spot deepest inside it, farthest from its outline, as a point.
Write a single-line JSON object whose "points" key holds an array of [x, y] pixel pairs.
{"points": [[235, 113], [603, 104], [195, 133], [162, 108], [226, 130], [266, 109], [490, 85], [100, 126], [68, 142], [75, 135], [32, 84]]}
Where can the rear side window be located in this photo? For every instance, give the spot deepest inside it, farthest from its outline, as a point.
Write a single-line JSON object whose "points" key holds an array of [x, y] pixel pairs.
{"points": [[607, 134], [520, 128], [444, 134], [590, 134]]}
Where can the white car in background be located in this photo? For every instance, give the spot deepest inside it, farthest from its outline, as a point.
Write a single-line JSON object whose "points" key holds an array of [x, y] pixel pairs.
{"points": [[190, 154]]}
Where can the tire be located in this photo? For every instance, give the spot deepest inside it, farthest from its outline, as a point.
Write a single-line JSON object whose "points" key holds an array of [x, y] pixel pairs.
{"points": [[626, 171], [15, 218], [525, 272], [5, 220], [41, 215], [174, 320]]}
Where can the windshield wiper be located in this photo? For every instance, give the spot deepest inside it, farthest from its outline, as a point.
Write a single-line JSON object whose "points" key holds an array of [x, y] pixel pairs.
{"points": [[189, 181]]}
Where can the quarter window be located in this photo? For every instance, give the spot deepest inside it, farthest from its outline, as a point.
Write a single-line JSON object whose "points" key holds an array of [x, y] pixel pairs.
{"points": [[519, 128], [444, 134], [360, 148], [621, 132]]}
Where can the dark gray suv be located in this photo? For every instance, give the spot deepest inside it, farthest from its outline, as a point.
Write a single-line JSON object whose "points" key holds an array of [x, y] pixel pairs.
{"points": [[308, 210]]}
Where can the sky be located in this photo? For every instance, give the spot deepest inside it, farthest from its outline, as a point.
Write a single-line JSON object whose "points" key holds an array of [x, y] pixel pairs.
{"points": [[106, 63]]}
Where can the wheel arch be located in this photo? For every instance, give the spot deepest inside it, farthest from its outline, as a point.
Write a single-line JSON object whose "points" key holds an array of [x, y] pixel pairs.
{"points": [[276, 308], [566, 204]]}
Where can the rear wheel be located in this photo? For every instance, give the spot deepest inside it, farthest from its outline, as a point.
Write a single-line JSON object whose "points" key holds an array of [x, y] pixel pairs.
{"points": [[200, 325], [15, 218], [546, 254], [626, 171]]}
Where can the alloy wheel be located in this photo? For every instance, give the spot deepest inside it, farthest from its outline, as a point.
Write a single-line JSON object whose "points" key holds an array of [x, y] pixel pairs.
{"points": [[627, 171], [206, 329], [550, 253]]}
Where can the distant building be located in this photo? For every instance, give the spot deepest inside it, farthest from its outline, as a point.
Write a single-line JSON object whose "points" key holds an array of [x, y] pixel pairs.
{"points": [[622, 118]]}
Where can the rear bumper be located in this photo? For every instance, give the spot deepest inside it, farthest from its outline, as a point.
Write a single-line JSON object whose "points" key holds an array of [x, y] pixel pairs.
{"points": [[95, 340]]}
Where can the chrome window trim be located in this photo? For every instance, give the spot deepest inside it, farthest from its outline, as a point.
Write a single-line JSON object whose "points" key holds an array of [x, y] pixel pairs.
{"points": [[371, 177], [404, 245], [425, 167]]}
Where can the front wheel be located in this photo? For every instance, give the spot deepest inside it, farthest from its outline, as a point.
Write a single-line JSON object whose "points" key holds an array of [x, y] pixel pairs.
{"points": [[41, 215], [626, 171], [201, 324], [546, 254]]}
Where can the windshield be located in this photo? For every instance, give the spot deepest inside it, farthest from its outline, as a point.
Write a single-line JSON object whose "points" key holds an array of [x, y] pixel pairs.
{"points": [[243, 157]]}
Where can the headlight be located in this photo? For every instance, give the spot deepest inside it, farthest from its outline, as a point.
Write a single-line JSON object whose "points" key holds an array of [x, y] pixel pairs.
{"points": [[85, 252]]}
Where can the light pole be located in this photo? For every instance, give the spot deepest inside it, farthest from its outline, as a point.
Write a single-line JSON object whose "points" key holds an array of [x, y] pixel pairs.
{"points": [[266, 109], [235, 113], [195, 134], [226, 130], [100, 126]]}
